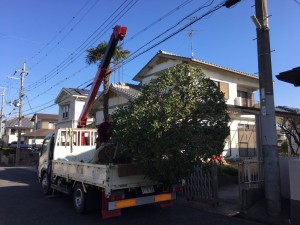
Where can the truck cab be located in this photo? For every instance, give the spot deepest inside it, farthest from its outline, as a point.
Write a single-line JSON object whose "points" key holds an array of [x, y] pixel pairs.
{"points": [[45, 158]]}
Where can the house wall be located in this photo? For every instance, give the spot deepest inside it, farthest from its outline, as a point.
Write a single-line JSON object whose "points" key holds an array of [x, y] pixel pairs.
{"points": [[9, 138], [77, 109], [37, 141], [76, 106], [44, 124], [235, 81], [114, 102]]}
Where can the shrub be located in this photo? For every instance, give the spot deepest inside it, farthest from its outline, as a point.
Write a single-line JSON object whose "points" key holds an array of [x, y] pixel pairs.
{"points": [[180, 120]]}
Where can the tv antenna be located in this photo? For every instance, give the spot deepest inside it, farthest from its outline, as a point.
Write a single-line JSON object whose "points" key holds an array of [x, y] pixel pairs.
{"points": [[191, 32]]}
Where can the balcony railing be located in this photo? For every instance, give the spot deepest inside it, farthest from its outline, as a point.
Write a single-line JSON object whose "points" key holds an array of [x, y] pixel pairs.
{"points": [[239, 101]]}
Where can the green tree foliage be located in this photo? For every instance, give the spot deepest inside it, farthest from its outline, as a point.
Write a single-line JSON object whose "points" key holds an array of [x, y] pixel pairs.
{"points": [[95, 55], [179, 120]]}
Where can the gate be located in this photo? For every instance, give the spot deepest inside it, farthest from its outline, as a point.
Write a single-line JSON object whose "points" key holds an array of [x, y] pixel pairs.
{"points": [[251, 182], [251, 174], [202, 185]]}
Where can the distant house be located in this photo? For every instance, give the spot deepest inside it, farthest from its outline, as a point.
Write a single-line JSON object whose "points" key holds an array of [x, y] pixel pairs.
{"points": [[43, 124], [11, 130], [71, 102], [119, 95]]}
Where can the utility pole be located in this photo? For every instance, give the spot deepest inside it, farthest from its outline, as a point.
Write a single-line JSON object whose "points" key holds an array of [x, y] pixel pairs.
{"points": [[23, 72], [267, 110], [2, 110]]}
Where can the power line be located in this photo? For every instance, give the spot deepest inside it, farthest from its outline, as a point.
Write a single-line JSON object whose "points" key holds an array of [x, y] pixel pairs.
{"points": [[158, 20], [136, 54], [297, 2], [88, 42], [60, 32], [132, 57]]}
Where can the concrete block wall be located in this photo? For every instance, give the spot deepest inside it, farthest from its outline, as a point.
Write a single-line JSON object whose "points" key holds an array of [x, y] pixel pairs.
{"points": [[294, 172]]}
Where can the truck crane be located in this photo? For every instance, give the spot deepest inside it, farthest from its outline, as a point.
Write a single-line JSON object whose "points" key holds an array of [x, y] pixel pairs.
{"points": [[65, 163], [117, 35]]}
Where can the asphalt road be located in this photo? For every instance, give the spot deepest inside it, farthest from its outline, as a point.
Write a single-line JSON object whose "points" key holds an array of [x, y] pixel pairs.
{"points": [[22, 203]]}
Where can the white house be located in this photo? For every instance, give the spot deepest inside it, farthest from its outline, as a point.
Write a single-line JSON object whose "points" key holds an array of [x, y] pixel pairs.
{"points": [[43, 124], [71, 102], [11, 130], [119, 95], [238, 89]]}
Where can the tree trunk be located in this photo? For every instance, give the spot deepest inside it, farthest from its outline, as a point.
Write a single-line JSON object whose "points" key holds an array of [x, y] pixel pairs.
{"points": [[106, 94]]}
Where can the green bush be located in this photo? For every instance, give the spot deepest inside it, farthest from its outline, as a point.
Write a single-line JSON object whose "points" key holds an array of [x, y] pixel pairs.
{"points": [[284, 146], [229, 170], [7, 151], [180, 120]]}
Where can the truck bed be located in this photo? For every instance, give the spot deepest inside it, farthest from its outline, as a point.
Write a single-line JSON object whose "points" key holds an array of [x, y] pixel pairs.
{"points": [[109, 177]]}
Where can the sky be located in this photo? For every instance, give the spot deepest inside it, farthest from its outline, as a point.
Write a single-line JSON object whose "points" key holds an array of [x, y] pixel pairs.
{"points": [[52, 37]]}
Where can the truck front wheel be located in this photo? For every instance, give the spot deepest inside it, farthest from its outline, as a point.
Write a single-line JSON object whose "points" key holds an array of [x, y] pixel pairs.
{"points": [[79, 198], [46, 184]]}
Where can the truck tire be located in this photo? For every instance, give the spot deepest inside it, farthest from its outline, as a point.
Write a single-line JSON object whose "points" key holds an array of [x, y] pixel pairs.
{"points": [[46, 184], [79, 198]]}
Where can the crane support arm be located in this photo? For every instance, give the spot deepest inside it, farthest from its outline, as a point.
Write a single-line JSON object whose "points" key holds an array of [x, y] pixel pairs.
{"points": [[117, 35]]}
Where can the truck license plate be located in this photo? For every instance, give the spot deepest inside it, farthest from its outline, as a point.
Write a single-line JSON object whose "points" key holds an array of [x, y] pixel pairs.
{"points": [[147, 189]]}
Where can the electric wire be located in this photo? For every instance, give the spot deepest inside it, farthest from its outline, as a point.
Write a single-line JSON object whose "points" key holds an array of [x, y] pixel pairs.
{"points": [[120, 15], [297, 2], [59, 32], [172, 27], [88, 42], [132, 57], [158, 21]]}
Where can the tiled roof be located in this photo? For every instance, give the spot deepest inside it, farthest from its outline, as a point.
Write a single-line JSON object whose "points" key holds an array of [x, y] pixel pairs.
{"points": [[287, 109], [52, 117], [39, 133], [130, 91], [210, 64], [76, 91], [290, 76], [178, 57], [26, 122]]}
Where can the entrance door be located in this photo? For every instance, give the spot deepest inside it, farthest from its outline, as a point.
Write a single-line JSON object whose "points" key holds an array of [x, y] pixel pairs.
{"points": [[247, 141]]}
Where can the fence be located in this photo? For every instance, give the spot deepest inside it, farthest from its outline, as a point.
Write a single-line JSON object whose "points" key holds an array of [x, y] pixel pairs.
{"points": [[202, 184]]}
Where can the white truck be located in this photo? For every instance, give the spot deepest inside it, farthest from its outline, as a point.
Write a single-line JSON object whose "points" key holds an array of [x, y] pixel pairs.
{"points": [[65, 165]]}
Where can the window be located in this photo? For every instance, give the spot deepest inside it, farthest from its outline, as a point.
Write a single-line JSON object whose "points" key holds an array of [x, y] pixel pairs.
{"points": [[246, 98], [51, 125], [13, 131], [65, 111], [224, 87]]}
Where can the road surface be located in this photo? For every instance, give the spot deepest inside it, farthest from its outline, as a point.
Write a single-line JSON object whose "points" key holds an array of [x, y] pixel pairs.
{"points": [[22, 203]]}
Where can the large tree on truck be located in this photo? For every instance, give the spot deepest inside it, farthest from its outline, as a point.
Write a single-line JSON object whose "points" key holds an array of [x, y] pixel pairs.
{"points": [[95, 55], [180, 120]]}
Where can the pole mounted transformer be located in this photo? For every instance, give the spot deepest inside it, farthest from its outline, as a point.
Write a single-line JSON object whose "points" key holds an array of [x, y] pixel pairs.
{"points": [[118, 34]]}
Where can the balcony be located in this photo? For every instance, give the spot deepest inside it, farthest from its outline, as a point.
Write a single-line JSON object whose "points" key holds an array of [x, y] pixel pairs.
{"points": [[247, 102]]}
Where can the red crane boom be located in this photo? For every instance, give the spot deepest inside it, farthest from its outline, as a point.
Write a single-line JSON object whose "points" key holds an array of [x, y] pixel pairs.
{"points": [[117, 35]]}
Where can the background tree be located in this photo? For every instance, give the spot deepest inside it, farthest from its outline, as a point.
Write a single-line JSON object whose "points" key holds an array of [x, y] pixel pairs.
{"points": [[179, 120], [95, 55], [291, 129]]}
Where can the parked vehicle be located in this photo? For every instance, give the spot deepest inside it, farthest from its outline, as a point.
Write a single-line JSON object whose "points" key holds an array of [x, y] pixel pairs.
{"points": [[65, 164]]}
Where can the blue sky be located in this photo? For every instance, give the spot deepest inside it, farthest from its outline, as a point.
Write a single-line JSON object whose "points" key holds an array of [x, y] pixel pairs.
{"points": [[52, 36]]}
